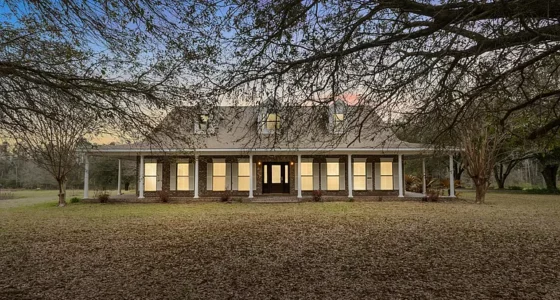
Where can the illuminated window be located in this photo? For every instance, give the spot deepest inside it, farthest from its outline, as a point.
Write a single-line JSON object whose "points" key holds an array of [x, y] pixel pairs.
{"points": [[243, 179], [386, 172], [338, 122], [276, 174], [359, 180], [182, 176], [306, 176], [219, 176], [333, 180], [272, 122], [203, 122], [150, 177]]}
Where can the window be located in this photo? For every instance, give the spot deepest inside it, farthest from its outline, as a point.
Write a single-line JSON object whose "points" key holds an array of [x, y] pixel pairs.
{"points": [[203, 122], [243, 180], [150, 176], [332, 176], [338, 122], [359, 178], [307, 176], [272, 122], [276, 174], [182, 176], [219, 176], [386, 172]]}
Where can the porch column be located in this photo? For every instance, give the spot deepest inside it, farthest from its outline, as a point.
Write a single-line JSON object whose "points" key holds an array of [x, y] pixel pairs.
{"points": [[299, 176], [424, 176], [196, 176], [451, 177], [86, 176], [119, 180], [350, 177], [401, 192], [251, 187], [141, 179]]}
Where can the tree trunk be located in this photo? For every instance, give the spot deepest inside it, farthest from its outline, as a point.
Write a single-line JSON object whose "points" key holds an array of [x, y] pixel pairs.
{"points": [[549, 174], [61, 192], [500, 176], [481, 187]]}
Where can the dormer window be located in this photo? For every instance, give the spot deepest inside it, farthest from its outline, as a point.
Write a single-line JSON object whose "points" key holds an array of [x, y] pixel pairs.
{"points": [[203, 122], [337, 111], [338, 121], [272, 122]]}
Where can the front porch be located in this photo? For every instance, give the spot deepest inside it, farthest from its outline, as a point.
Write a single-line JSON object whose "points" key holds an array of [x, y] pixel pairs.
{"points": [[261, 177]]}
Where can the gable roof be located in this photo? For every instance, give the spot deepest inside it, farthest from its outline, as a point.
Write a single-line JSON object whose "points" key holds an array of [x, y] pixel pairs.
{"points": [[240, 128]]}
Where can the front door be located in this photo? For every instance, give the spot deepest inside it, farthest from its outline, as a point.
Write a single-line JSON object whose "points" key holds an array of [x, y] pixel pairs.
{"points": [[276, 177]]}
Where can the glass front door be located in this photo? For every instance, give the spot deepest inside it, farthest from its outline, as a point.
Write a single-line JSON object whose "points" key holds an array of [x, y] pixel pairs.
{"points": [[276, 177]]}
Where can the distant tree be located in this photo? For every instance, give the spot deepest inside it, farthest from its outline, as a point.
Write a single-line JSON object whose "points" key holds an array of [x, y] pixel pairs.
{"points": [[480, 141], [458, 166], [52, 143], [549, 159]]}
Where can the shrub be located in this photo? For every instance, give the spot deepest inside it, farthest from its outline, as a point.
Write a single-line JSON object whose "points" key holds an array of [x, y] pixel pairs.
{"points": [[103, 197], [432, 195], [163, 196], [515, 188], [75, 200], [412, 183], [225, 197], [351, 199], [317, 196]]}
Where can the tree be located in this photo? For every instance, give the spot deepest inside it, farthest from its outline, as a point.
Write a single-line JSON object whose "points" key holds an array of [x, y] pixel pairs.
{"points": [[458, 166], [550, 163], [52, 144], [122, 60], [407, 56], [480, 143]]}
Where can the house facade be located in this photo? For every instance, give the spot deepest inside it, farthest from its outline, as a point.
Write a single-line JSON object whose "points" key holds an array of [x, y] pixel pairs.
{"points": [[259, 151]]}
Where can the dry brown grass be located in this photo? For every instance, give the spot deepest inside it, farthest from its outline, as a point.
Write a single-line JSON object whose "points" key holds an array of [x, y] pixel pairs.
{"points": [[508, 248]]}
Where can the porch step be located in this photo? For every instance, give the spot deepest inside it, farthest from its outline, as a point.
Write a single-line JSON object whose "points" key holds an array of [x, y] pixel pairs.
{"points": [[275, 199]]}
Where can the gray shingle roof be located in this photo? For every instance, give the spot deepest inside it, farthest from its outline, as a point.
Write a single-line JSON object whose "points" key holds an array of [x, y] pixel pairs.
{"points": [[240, 127]]}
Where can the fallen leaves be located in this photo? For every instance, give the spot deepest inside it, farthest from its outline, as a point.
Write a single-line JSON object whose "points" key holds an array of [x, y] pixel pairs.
{"points": [[378, 250]]}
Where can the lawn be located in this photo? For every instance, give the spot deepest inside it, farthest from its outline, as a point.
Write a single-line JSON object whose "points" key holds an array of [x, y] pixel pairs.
{"points": [[508, 248], [30, 197]]}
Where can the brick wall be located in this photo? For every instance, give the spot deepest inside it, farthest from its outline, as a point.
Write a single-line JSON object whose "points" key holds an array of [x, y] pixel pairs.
{"points": [[203, 171]]}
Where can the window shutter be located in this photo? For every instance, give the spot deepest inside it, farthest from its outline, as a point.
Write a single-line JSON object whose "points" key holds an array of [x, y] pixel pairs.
{"points": [[159, 176], [191, 176], [254, 176], [234, 176], [228, 176], [369, 177], [395, 176], [341, 177], [377, 176], [173, 176], [209, 176], [316, 176], [323, 176]]}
